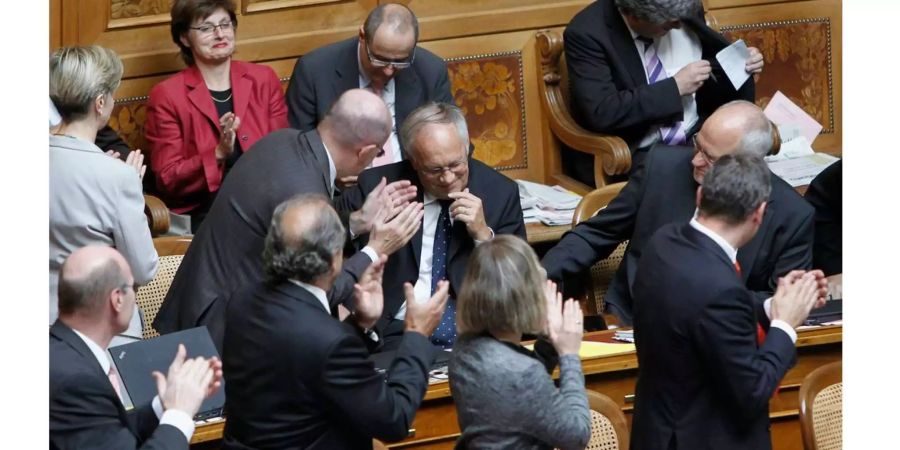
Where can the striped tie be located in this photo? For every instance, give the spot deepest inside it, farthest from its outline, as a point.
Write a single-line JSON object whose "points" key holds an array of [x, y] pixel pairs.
{"points": [[672, 135]]}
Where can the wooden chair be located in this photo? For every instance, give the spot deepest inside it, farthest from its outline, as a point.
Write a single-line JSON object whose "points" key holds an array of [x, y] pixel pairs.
{"points": [[171, 250], [821, 405], [609, 430], [611, 154], [378, 445], [602, 272], [157, 215]]}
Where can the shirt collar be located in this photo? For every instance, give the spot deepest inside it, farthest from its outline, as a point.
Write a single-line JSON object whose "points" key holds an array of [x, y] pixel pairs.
{"points": [[98, 352], [719, 240], [316, 291], [428, 198], [364, 81], [332, 170]]}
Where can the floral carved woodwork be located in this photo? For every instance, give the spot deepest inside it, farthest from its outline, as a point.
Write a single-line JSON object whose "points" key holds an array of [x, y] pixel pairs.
{"points": [[128, 118], [489, 90], [798, 63], [127, 9]]}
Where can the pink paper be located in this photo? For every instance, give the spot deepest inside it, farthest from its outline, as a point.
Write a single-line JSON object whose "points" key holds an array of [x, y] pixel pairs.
{"points": [[782, 111]]}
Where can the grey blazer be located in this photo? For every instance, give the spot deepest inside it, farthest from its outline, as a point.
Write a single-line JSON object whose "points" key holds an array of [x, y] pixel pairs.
{"points": [[506, 399], [96, 200]]}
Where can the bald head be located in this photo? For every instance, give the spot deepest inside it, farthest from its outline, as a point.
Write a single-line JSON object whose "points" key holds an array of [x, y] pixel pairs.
{"points": [[739, 127], [391, 18], [358, 118], [305, 239], [88, 277]]}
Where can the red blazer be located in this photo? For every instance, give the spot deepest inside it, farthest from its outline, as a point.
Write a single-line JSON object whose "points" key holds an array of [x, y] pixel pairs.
{"points": [[182, 128]]}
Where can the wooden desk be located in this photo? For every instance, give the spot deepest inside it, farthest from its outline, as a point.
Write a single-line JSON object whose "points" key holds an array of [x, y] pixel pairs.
{"points": [[539, 233], [436, 426]]}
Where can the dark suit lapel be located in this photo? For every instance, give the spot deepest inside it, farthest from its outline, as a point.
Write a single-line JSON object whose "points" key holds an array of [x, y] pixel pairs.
{"points": [[241, 86], [623, 44], [407, 95], [347, 71], [199, 95], [320, 154], [705, 242]]}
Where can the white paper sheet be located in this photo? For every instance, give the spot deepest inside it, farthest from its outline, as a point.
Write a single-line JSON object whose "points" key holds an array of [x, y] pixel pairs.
{"points": [[733, 60], [801, 170], [782, 111]]}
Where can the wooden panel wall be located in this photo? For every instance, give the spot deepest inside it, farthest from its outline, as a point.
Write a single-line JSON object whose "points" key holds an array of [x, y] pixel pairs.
{"points": [[277, 32]]}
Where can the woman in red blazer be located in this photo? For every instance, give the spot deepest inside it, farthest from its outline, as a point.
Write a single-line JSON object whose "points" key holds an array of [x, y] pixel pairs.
{"points": [[200, 120]]}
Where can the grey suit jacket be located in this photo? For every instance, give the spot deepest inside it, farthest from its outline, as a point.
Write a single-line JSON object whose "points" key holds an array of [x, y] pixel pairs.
{"points": [[226, 252], [95, 200], [321, 76]]}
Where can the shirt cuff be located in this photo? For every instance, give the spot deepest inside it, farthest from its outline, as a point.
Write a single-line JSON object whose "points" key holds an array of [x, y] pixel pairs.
{"points": [[477, 242], [786, 328], [174, 417], [767, 305], [371, 253]]}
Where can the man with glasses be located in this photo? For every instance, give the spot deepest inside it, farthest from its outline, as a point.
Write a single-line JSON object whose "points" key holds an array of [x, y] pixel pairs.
{"points": [[663, 190], [465, 203], [645, 70], [383, 59]]}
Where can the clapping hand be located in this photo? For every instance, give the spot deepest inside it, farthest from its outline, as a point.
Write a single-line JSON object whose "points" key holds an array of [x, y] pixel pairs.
{"points": [[230, 124], [369, 296], [424, 317], [135, 160], [188, 382], [391, 198], [564, 321]]}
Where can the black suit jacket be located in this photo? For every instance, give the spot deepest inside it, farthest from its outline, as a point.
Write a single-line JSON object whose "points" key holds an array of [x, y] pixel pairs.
{"points": [[226, 252], [662, 190], [824, 194], [85, 412], [321, 76], [609, 88], [703, 382], [502, 212], [300, 379]]}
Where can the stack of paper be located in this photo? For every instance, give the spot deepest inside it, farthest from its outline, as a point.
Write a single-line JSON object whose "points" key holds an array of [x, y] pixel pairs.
{"points": [[590, 349], [549, 205], [796, 162], [624, 335]]}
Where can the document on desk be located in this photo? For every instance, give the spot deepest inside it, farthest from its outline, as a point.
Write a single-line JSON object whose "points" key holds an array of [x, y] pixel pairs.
{"points": [[782, 111], [591, 349], [801, 170], [733, 60]]}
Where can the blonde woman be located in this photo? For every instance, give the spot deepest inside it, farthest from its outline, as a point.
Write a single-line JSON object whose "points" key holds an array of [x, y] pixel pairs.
{"points": [[503, 392]]}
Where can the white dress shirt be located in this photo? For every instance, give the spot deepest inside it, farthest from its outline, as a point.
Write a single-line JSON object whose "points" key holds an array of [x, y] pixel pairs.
{"points": [[676, 49], [316, 291], [174, 417], [732, 255], [422, 288], [388, 95]]}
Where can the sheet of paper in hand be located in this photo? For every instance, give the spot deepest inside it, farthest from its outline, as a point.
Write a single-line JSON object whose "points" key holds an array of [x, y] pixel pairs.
{"points": [[733, 60]]}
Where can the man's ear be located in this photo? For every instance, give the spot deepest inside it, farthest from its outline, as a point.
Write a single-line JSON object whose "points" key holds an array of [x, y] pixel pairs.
{"points": [[116, 300], [698, 196], [759, 213], [368, 153]]}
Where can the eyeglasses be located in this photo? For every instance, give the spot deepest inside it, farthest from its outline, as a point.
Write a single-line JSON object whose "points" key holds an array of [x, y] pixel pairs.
{"points": [[208, 28], [456, 167], [698, 149], [395, 64]]}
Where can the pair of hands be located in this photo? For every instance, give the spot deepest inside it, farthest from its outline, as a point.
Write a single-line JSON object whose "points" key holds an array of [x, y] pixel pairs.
{"points": [[135, 160], [230, 124], [421, 318], [692, 76], [389, 216], [797, 293], [564, 324], [188, 382]]}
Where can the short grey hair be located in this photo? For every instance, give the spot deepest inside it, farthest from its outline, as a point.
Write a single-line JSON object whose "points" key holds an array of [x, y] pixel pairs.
{"points": [[432, 113], [307, 254], [89, 292], [396, 16], [734, 187], [78, 75], [503, 289], [759, 132], [660, 11]]}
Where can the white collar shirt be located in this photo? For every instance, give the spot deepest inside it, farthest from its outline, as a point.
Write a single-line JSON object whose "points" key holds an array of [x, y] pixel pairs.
{"points": [[317, 292]]}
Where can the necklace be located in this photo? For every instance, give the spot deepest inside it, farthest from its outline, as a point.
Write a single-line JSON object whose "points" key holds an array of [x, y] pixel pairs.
{"points": [[223, 100]]}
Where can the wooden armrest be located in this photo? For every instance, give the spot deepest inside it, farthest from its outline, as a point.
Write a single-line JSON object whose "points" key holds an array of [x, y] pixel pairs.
{"points": [[157, 215]]}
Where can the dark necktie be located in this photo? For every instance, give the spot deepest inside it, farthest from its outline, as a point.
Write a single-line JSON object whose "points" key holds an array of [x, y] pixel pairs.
{"points": [[445, 333], [671, 135], [760, 333]]}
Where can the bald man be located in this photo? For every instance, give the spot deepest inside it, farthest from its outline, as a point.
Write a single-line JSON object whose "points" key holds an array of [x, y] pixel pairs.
{"points": [[226, 252], [96, 302], [663, 189], [383, 59]]}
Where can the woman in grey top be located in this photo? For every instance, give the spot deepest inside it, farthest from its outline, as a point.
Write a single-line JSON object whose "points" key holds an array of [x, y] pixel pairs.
{"points": [[504, 395]]}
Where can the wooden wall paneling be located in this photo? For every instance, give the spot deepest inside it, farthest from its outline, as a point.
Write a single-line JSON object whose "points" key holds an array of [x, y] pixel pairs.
{"points": [[801, 42], [55, 29]]}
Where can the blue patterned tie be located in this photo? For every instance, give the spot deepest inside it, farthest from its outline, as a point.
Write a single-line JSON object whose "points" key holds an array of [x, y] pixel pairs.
{"points": [[445, 333]]}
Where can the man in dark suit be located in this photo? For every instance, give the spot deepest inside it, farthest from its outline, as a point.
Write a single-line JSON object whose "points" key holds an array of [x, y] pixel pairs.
{"points": [[383, 59], [662, 191], [465, 202], [96, 301], [317, 389], [706, 375], [824, 194], [645, 70], [225, 253]]}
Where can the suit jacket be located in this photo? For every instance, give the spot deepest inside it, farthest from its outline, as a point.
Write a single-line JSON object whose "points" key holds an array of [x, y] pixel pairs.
{"points": [[662, 190], [85, 412], [703, 382], [96, 200], [824, 194], [108, 139], [609, 88], [318, 390], [226, 252], [321, 76], [502, 212], [182, 128]]}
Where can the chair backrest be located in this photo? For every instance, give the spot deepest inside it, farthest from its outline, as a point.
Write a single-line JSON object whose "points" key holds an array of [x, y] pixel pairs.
{"points": [[171, 250], [378, 445], [821, 408], [602, 272], [609, 430]]}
